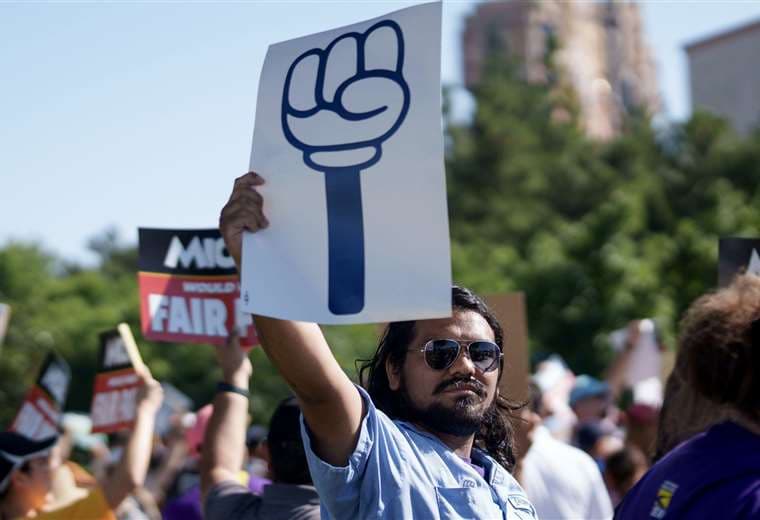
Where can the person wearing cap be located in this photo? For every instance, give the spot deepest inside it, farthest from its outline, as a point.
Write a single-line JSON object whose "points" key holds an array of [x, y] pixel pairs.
{"points": [[291, 495], [596, 431], [27, 467], [715, 473], [589, 399], [254, 441]]}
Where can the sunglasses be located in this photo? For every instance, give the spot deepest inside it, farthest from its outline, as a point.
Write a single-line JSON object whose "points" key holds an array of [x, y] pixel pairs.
{"points": [[440, 354]]}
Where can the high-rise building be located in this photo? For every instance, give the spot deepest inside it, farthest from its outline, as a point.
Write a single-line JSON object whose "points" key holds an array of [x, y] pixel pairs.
{"points": [[724, 73], [600, 52]]}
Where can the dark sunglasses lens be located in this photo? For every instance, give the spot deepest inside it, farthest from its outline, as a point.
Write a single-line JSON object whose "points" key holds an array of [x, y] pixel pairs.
{"points": [[484, 354], [441, 353]]}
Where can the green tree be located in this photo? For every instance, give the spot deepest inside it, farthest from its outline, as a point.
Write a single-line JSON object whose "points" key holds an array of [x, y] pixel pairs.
{"points": [[594, 233]]}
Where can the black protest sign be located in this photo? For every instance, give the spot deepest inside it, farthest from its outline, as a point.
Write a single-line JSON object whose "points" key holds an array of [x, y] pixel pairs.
{"points": [[737, 256], [189, 288], [40, 413]]}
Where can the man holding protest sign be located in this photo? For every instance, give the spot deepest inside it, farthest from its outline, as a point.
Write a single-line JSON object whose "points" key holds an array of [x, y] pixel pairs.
{"points": [[26, 468], [431, 438], [348, 134]]}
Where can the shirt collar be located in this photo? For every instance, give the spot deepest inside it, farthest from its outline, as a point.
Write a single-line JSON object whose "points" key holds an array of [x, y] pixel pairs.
{"points": [[477, 456]]}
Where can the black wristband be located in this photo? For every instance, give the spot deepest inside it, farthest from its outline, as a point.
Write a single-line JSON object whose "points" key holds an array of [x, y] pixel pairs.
{"points": [[221, 386]]}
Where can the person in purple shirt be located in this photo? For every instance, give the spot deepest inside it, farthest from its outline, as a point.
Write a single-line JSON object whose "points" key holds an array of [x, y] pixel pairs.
{"points": [[188, 506], [716, 473]]}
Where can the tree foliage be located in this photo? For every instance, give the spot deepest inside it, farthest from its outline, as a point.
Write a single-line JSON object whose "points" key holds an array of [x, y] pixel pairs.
{"points": [[595, 234]]}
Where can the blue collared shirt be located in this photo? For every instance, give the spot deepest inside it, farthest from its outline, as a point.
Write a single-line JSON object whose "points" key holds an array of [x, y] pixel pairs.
{"points": [[398, 471]]}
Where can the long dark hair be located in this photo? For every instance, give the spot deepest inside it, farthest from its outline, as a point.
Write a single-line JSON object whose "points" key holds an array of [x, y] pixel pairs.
{"points": [[496, 433]]}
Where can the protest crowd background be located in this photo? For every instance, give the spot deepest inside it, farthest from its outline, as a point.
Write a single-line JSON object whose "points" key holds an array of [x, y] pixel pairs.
{"points": [[608, 242]]}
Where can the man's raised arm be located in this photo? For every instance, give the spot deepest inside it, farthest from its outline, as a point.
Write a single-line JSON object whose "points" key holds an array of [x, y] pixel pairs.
{"points": [[130, 472], [329, 401], [222, 452]]}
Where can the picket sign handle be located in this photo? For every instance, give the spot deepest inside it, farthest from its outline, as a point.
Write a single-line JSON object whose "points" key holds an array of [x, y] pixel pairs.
{"points": [[345, 229]]}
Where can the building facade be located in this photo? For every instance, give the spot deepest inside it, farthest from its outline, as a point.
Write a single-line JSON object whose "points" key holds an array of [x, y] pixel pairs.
{"points": [[600, 52], [724, 75]]}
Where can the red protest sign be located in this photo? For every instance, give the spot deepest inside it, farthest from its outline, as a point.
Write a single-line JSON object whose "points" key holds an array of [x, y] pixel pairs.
{"points": [[114, 400], [40, 413], [189, 288]]}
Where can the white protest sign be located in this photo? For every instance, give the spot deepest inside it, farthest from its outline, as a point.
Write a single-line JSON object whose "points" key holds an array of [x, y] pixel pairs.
{"points": [[754, 263], [348, 138]]}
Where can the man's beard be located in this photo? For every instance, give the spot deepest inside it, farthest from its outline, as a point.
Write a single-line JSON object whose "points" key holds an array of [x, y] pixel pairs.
{"points": [[461, 420]]}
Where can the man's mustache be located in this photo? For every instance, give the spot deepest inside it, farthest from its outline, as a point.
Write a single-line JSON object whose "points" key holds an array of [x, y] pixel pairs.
{"points": [[456, 382]]}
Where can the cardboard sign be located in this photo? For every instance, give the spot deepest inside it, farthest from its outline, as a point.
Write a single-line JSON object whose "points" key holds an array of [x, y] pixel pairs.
{"points": [[116, 384], [348, 138], [189, 288], [735, 256], [509, 309], [5, 318], [41, 411]]}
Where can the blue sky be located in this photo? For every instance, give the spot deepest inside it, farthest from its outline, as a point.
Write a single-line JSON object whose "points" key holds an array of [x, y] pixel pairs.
{"points": [[130, 114]]}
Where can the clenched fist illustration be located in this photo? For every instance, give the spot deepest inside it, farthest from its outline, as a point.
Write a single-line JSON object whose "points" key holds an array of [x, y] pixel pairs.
{"points": [[339, 105]]}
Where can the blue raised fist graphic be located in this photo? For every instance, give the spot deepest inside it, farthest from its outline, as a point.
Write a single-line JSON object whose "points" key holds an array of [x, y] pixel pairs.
{"points": [[355, 87]]}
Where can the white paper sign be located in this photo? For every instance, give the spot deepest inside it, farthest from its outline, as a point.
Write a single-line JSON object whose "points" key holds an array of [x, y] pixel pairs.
{"points": [[348, 138]]}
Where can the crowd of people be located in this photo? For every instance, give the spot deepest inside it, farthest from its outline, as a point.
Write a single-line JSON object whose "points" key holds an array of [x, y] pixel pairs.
{"points": [[427, 432]]}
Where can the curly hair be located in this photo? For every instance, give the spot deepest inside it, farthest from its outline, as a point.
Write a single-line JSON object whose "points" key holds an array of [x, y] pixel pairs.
{"points": [[720, 342], [496, 433]]}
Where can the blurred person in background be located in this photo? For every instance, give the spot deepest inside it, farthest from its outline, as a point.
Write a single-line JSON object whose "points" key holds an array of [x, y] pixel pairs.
{"points": [[169, 456], [622, 470], [555, 381], [291, 495], [561, 481], [140, 504], [70, 481], [184, 497], [637, 366], [590, 400], [255, 441], [634, 378], [27, 469], [596, 431], [600, 441], [641, 421], [716, 473]]}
